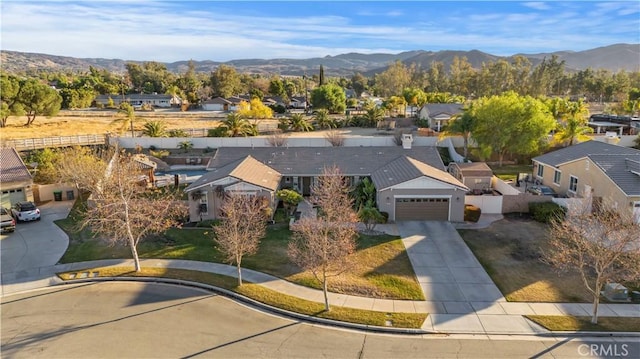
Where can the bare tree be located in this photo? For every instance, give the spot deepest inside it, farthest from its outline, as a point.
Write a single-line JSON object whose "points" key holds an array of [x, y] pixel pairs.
{"points": [[277, 139], [243, 224], [335, 138], [121, 209], [602, 245], [323, 245]]}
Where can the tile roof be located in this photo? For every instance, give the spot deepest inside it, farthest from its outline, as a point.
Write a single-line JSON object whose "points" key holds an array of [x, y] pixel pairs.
{"points": [[310, 161], [474, 169], [619, 168], [435, 109], [246, 169], [581, 150], [12, 169], [405, 168]]}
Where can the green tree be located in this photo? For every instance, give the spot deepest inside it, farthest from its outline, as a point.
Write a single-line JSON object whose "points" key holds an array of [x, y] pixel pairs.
{"points": [[510, 123], [127, 118], [373, 114], [370, 216], [38, 99], [154, 129], [9, 100], [225, 81], [572, 117], [330, 97], [359, 83], [391, 81], [290, 199], [414, 97], [237, 126], [461, 125], [321, 76], [299, 123], [323, 120], [47, 161]]}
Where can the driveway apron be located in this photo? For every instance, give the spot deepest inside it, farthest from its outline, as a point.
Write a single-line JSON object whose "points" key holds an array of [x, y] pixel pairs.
{"points": [[446, 269]]}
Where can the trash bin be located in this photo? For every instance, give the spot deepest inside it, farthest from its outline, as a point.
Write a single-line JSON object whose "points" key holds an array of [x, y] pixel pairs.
{"points": [[70, 195], [57, 196]]}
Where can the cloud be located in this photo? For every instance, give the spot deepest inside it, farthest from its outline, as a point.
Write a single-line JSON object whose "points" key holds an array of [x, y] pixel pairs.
{"points": [[171, 31]]}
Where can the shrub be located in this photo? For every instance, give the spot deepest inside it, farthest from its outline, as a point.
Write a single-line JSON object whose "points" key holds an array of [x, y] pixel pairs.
{"points": [[546, 212], [160, 153], [217, 132], [386, 216], [178, 133], [471, 213]]}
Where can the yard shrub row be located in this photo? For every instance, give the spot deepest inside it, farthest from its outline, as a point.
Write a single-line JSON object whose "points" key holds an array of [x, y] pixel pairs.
{"points": [[546, 212]]}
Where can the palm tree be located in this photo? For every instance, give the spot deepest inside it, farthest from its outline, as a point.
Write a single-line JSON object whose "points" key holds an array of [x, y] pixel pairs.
{"points": [[461, 125], [573, 124], [237, 126], [154, 129], [129, 117], [300, 123], [373, 115], [323, 120]]}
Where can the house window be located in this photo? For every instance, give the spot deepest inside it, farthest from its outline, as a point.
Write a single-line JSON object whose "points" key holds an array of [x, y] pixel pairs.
{"points": [[573, 184], [556, 177], [540, 170]]}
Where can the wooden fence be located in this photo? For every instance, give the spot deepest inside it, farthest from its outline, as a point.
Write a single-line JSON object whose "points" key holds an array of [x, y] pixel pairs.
{"points": [[59, 141]]}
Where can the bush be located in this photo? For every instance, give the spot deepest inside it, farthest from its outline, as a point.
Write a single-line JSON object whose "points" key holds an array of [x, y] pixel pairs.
{"points": [[471, 213], [386, 216], [159, 153], [217, 132], [178, 133], [546, 212]]}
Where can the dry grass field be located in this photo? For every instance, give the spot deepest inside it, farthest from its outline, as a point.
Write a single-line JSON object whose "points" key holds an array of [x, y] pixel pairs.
{"points": [[69, 123], [511, 250]]}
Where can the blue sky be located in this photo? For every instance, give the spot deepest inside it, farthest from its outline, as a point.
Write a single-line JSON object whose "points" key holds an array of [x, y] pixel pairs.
{"points": [[225, 30]]}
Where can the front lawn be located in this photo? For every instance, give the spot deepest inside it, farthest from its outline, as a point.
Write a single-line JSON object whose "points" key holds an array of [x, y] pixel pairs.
{"points": [[382, 270], [511, 252]]}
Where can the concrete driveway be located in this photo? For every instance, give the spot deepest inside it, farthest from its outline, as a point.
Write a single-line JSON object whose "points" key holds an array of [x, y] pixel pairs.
{"points": [[447, 270], [34, 244]]}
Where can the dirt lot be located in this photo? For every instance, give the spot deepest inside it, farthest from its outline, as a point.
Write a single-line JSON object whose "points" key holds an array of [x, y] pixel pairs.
{"points": [[511, 251]]}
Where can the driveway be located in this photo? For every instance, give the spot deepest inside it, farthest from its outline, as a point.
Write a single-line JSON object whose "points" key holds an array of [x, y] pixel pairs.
{"points": [[34, 244], [446, 269]]}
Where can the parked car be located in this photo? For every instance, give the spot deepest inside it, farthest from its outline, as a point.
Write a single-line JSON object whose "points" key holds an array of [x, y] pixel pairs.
{"points": [[25, 211], [7, 223], [542, 191]]}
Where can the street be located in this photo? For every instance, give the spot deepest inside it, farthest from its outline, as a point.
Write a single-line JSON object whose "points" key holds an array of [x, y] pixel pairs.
{"points": [[136, 320]]}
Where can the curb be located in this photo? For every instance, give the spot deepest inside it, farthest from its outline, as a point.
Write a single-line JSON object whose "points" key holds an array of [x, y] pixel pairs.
{"points": [[254, 303]]}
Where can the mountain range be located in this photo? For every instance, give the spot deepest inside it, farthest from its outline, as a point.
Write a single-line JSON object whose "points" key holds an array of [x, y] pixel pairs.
{"points": [[613, 57]]}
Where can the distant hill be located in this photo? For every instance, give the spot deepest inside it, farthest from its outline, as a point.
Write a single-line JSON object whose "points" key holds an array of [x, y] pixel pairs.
{"points": [[614, 57]]}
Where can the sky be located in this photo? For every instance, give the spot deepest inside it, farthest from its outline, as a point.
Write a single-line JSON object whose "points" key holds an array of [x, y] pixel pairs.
{"points": [[176, 30]]}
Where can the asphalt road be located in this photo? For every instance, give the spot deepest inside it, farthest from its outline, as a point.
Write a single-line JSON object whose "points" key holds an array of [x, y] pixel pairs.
{"points": [[145, 320]]}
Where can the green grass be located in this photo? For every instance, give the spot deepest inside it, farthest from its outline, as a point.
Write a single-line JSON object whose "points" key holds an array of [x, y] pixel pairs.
{"points": [[266, 296], [510, 172], [571, 323], [382, 270]]}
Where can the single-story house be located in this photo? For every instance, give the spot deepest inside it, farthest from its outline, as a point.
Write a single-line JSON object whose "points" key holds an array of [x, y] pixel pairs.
{"points": [[137, 100], [475, 175], [411, 183], [298, 102], [593, 169], [243, 176], [216, 104], [15, 180], [439, 114]]}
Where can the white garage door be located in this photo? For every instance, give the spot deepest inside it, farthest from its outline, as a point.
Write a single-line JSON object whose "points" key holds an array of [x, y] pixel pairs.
{"points": [[422, 209], [12, 196]]}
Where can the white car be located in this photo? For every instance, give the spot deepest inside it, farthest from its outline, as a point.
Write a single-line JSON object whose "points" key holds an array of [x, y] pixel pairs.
{"points": [[25, 211]]}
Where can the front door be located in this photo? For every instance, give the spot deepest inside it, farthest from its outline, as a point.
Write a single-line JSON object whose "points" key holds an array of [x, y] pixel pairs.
{"points": [[306, 186]]}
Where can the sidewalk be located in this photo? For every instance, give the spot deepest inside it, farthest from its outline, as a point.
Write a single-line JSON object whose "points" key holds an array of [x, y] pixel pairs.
{"points": [[447, 317]]}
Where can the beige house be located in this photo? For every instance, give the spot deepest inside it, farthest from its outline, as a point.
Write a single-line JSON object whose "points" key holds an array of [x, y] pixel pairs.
{"points": [[475, 175], [439, 114], [593, 169], [16, 182], [411, 183]]}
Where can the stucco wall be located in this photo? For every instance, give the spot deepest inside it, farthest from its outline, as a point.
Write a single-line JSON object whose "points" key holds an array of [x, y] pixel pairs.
{"points": [[43, 193]]}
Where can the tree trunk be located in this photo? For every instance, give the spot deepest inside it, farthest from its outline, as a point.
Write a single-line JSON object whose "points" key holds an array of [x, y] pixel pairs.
{"points": [[136, 259], [466, 146], [500, 157], [326, 294], [239, 274], [596, 303]]}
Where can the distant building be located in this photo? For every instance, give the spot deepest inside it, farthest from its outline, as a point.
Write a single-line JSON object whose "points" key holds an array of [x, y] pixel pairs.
{"points": [[138, 100]]}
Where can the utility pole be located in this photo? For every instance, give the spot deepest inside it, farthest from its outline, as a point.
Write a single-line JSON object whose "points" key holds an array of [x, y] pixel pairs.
{"points": [[306, 96]]}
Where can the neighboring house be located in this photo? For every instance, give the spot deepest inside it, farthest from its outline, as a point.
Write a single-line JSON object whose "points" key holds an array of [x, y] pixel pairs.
{"points": [[439, 114], [593, 169], [15, 180], [475, 175], [147, 167], [242, 176], [298, 102], [216, 104], [412, 183], [137, 100]]}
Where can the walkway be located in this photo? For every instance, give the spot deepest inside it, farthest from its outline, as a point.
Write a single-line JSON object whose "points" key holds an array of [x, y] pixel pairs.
{"points": [[497, 318]]}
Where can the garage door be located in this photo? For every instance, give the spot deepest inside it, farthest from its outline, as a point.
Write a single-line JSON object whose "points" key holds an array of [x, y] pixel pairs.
{"points": [[422, 209], [12, 196]]}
